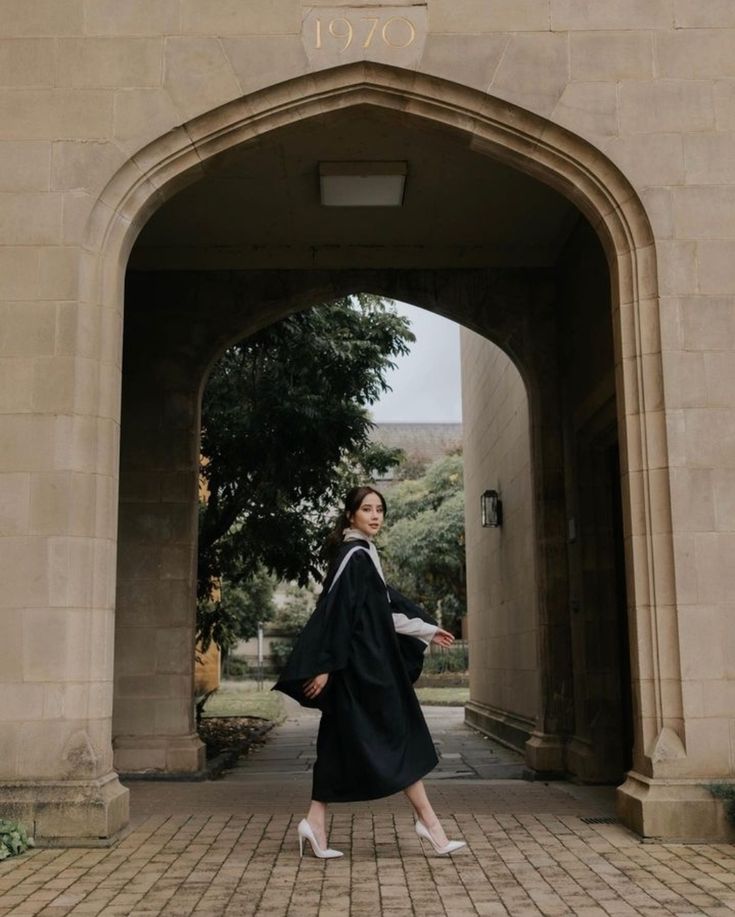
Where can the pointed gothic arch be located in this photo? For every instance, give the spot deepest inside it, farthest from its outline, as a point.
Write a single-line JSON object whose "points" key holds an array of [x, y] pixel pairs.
{"points": [[530, 144]]}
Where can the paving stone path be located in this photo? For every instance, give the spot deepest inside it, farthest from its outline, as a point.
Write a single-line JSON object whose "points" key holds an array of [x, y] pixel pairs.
{"points": [[229, 847]]}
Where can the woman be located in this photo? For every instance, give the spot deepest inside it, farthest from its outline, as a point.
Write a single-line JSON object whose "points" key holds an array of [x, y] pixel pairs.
{"points": [[356, 660]]}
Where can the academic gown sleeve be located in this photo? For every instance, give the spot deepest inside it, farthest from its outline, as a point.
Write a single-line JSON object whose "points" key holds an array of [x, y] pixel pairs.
{"points": [[414, 628], [324, 642]]}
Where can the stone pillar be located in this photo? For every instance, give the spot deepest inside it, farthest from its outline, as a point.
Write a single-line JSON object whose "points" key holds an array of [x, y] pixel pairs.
{"points": [[682, 644], [153, 725], [600, 748], [538, 345], [176, 323], [58, 468]]}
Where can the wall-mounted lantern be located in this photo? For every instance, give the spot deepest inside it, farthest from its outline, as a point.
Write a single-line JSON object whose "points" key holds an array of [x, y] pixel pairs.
{"points": [[491, 509]]}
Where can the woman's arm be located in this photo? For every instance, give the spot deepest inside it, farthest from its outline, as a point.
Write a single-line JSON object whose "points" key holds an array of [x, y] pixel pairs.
{"points": [[411, 619], [414, 627]]}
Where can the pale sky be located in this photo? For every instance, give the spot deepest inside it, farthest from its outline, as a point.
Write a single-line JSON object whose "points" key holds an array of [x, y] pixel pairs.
{"points": [[426, 383]]}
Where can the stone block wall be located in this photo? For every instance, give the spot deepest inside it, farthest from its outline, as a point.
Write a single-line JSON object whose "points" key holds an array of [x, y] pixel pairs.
{"points": [[503, 615]]}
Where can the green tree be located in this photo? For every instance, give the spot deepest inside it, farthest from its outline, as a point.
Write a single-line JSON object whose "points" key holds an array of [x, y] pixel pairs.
{"points": [[423, 541], [291, 616], [289, 619], [410, 468], [285, 431], [235, 610]]}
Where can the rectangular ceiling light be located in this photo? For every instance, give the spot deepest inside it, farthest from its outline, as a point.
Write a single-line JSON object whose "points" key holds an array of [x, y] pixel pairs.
{"points": [[362, 184]]}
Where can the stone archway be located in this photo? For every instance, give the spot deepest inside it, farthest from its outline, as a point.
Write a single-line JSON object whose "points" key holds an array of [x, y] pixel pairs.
{"points": [[169, 349], [556, 157]]}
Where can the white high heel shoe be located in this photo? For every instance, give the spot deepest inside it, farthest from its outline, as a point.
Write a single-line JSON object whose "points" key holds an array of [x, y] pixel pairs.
{"points": [[305, 831], [450, 847]]}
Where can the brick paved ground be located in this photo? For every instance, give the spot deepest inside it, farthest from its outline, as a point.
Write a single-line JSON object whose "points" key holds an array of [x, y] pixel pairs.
{"points": [[230, 848]]}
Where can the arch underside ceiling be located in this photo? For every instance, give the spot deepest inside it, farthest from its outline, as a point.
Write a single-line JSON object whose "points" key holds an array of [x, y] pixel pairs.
{"points": [[493, 302], [259, 206], [445, 120]]}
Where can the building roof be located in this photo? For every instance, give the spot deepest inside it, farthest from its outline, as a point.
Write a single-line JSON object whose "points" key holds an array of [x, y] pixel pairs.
{"points": [[423, 442]]}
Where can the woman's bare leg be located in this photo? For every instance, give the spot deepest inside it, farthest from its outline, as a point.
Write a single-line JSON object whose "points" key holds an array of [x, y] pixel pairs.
{"points": [[317, 818], [420, 801]]}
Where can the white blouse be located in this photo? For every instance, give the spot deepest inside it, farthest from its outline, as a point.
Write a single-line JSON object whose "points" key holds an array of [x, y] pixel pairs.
{"points": [[414, 627]]}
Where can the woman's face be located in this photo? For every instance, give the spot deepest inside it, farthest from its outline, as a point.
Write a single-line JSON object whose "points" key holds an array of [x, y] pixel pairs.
{"points": [[368, 518]]}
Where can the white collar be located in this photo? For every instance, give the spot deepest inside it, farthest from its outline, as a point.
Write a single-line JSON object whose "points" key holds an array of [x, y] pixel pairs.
{"points": [[353, 534]]}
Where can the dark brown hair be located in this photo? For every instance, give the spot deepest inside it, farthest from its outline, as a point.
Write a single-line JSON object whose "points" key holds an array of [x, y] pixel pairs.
{"points": [[352, 503]]}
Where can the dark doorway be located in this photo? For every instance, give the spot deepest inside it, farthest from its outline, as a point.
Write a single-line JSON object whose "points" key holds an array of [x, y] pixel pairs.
{"points": [[621, 605]]}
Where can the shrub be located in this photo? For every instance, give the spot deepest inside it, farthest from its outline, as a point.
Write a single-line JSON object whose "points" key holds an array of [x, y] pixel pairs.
{"points": [[13, 839], [236, 667], [725, 792], [280, 651]]}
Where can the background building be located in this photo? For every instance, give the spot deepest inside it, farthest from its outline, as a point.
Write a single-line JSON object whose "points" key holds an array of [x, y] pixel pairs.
{"points": [[422, 443]]}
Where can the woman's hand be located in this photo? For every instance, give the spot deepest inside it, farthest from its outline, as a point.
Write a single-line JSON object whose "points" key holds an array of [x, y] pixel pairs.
{"points": [[314, 686], [442, 638]]}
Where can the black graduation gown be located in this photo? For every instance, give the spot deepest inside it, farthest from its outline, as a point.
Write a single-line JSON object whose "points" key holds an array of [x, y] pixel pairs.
{"points": [[373, 739]]}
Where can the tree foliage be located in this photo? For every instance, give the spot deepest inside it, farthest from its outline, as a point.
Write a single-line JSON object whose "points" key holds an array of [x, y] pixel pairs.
{"points": [[289, 619], [423, 540], [294, 612], [234, 610], [285, 432]]}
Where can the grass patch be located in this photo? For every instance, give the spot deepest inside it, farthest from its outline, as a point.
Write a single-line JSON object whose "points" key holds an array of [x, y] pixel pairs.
{"points": [[447, 697], [242, 698]]}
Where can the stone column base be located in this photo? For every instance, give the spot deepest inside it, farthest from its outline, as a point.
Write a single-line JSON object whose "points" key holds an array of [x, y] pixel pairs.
{"points": [[152, 755], [506, 728], [673, 810], [589, 763], [68, 813], [546, 753], [580, 758]]}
